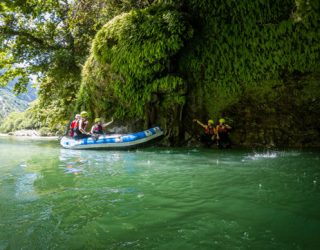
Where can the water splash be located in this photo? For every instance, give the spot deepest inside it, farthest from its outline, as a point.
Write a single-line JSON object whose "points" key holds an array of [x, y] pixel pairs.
{"points": [[266, 155]]}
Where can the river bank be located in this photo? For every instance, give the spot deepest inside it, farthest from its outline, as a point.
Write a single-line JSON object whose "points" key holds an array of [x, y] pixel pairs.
{"points": [[191, 143], [33, 134]]}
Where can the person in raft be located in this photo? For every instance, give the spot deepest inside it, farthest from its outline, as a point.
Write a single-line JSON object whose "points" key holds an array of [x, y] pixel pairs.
{"points": [[74, 125], [97, 128], [209, 132], [82, 126], [222, 134]]}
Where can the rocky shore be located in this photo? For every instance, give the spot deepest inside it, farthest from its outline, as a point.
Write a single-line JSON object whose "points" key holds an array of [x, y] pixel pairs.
{"points": [[30, 134]]}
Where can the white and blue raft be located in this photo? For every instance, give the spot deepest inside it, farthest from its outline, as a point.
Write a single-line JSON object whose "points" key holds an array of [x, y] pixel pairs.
{"points": [[113, 141]]}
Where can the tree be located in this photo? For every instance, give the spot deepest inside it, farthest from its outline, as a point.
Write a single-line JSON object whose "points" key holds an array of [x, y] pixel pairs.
{"points": [[52, 36], [51, 39]]}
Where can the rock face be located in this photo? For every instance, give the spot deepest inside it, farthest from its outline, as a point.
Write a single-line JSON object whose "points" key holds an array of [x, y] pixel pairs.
{"points": [[285, 114]]}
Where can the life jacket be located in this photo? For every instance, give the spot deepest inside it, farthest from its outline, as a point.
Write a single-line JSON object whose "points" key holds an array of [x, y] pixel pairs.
{"points": [[209, 130], [84, 126], [97, 129], [73, 127], [222, 129]]}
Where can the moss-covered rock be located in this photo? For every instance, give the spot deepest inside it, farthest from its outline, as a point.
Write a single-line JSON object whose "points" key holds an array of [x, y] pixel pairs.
{"points": [[130, 72], [286, 114], [247, 62]]}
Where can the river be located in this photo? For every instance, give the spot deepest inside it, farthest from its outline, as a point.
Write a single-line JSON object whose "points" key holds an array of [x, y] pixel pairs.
{"points": [[157, 198]]}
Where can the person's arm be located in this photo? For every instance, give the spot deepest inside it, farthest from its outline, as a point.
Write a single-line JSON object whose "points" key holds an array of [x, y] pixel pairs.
{"points": [[92, 128], [228, 127], [108, 123], [215, 134], [81, 129], [200, 123]]}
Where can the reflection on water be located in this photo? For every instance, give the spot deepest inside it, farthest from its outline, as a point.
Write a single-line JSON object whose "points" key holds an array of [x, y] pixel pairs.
{"points": [[157, 198], [24, 187], [94, 162]]}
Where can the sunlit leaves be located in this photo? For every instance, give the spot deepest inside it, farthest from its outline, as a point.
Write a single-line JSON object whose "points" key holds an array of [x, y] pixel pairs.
{"points": [[139, 47]]}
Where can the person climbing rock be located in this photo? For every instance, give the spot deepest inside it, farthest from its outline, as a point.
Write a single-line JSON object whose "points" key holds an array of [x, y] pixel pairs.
{"points": [[208, 136], [222, 134]]}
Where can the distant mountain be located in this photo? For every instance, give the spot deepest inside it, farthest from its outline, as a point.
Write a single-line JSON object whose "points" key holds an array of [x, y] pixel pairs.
{"points": [[29, 96], [10, 103]]}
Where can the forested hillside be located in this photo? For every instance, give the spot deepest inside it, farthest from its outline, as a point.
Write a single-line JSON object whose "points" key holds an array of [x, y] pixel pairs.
{"points": [[146, 63], [10, 103], [29, 95]]}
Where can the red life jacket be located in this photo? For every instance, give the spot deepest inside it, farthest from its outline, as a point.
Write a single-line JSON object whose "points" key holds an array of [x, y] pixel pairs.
{"points": [[97, 129], [73, 127], [209, 130], [222, 129]]}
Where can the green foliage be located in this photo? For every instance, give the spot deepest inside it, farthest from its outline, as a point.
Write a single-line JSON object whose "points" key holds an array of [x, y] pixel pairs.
{"points": [[132, 59], [161, 61], [96, 92], [52, 40], [18, 120], [36, 117], [244, 43], [44, 131], [51, 36], [139, 44], [172, 90]]}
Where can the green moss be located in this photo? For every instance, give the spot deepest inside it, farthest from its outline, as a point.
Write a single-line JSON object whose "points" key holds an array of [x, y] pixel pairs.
{"points": [[131, 61], [151, 65], [243, 44]]}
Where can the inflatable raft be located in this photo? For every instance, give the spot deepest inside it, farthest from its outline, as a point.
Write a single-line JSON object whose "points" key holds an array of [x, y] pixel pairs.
{"points": [[114, 141]]}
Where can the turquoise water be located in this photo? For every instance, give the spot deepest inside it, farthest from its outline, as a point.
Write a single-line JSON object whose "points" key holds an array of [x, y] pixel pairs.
{"points": [[157, 198]]}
